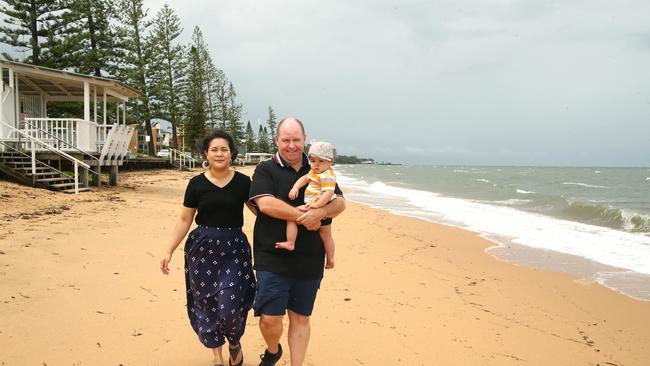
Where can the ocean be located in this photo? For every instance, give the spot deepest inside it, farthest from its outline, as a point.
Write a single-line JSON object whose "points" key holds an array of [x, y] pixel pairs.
{"points": [[589, 222]]}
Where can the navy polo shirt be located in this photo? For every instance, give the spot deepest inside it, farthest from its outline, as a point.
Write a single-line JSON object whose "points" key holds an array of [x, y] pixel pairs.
{"points": [[275, 178]]}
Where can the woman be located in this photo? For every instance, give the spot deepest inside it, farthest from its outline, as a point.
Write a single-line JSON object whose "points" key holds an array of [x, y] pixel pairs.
{"points": [[219, 278]]}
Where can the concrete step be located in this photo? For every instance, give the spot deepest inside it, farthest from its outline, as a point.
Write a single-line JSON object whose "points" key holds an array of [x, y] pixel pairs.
{"points": [[62, 185], [55, 179], [14, 160], [42, 174], [23, 162], [10, 154], [81, 189], [10, 162], [38, 168]]}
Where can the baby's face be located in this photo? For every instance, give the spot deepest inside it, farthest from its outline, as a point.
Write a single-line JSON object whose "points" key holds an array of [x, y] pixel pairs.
{"points": [[319, 165]]}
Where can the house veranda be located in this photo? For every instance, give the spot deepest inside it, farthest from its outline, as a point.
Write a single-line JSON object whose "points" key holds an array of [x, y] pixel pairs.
{"points": [[30, 137]]}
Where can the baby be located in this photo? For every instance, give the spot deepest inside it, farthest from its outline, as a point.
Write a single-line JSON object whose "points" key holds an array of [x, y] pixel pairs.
{"points": [[319, 192]]}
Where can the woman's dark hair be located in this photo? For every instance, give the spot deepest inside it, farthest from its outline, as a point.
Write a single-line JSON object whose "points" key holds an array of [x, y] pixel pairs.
{"points": [[220, 134]]}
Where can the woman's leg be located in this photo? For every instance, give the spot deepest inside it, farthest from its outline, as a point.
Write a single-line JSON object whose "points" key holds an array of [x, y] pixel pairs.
{"points": [[217, 359], [201, 263], [236, 355]]}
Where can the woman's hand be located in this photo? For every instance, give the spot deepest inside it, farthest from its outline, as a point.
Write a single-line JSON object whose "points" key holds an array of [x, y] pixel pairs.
{"points": [[164, 263]]}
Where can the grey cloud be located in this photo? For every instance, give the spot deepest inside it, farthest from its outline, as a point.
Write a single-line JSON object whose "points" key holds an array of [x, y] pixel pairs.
{"points": [[520, 82]]}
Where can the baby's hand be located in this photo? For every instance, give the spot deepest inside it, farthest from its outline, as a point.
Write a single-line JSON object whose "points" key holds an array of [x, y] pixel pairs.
{"points": [[293, 193], [315, 205]]}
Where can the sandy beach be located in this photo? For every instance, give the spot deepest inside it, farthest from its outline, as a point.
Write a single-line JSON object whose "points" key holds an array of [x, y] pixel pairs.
{"points": [[80, 285]]}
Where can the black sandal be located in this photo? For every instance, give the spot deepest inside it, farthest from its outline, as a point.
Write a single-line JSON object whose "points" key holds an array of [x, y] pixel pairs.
{"points": [[234, 352]]}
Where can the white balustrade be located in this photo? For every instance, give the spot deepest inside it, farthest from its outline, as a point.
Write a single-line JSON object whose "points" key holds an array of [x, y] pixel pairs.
{"points": [[67, 134]]}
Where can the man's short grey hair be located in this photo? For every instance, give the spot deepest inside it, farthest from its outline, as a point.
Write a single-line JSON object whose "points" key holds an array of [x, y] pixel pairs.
{"points": [[277, 130]]}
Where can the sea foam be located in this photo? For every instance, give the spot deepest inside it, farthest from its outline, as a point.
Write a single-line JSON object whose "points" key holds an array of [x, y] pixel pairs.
{"points": [[604, 245], [521, 191], [583, 185]]}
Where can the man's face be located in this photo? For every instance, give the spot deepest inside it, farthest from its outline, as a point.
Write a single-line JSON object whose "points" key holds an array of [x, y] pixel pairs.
{"points": [[291, 142]]}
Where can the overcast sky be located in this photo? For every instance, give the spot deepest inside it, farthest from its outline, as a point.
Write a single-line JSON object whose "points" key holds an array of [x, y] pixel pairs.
{"points": [[499, 82]]}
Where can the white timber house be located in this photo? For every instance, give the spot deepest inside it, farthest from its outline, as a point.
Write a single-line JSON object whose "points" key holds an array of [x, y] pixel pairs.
{"points": [[30, 139], [255, 158]]}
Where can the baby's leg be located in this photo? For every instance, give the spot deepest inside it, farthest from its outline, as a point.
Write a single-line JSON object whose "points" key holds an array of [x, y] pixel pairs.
{"points": [[292, 232], [328, 243]]}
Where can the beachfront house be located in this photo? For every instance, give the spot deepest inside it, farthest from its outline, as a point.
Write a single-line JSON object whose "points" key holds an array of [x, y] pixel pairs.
{"points": [[163, 139], [255, 158], [61, 153]]}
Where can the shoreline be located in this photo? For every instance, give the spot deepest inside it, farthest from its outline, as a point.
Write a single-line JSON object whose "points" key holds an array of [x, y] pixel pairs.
{"points": [[625, 281], [620, 280], [81, 285]]}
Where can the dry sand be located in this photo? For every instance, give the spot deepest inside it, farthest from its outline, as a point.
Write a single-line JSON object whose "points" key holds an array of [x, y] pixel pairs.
{"points": [[80, 285]]}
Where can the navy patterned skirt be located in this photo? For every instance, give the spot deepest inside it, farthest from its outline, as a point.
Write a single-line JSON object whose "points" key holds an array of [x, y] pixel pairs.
{"points": [[219, 282]]}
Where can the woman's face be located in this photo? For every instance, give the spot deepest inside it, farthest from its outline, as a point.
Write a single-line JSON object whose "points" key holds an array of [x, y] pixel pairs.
{"points": [[218, 153]]}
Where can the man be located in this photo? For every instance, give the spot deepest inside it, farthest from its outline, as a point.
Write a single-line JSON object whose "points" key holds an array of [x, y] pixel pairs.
{"points": [[287, 281]]}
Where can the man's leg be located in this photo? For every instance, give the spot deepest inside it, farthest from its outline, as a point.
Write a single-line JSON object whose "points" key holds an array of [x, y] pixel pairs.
{"points": [[270, 305], [298, 337], [300, 307], [271, 328]]}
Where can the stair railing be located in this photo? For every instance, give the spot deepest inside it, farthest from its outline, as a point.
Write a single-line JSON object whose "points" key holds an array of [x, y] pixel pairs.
{"points": [[10, 148], [61, 143], [33, 142], [182, 158]]}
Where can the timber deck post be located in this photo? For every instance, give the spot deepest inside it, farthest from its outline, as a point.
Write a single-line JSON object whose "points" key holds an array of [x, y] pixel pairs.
{"points": [[112, 175], [84, 173]]}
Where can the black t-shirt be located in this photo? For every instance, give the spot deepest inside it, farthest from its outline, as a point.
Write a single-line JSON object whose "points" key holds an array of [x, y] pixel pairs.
{"points": [[216, 206], [274, 177]]}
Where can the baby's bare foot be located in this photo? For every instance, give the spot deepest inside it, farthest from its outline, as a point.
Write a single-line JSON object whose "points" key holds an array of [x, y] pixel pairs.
{"points": [[288, 245]]}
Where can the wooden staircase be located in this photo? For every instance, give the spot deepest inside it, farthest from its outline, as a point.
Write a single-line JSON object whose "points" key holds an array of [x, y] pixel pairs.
{"points": [[19, 166]]}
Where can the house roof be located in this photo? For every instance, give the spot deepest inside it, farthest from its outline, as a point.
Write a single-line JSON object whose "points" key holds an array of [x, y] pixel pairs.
{"points": [[60, 83]]}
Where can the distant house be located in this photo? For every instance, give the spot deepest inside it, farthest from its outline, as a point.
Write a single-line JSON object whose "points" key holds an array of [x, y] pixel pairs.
{"points": [[161, 137], [254, 158]]}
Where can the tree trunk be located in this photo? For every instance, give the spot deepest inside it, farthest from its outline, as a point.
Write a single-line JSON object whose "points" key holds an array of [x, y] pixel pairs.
{"points": [[34, 31], [93, 44], [152, 148], [174, 136]]}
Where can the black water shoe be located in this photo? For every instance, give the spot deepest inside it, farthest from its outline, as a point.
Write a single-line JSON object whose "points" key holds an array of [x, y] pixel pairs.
{"points": [[269, 359]]}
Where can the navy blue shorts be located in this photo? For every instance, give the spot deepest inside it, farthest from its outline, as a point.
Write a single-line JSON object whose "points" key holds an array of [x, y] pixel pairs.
{"points": [[274, 294]]}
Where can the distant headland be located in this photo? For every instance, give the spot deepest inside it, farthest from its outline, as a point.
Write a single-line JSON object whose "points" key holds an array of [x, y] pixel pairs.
{"points": [[351, 159]]}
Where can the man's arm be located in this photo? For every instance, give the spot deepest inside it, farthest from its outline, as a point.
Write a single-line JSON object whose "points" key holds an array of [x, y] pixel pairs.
{"points": [[311, 219], [277, 208]]}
